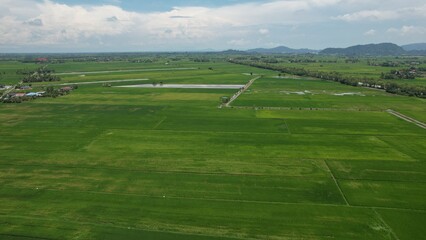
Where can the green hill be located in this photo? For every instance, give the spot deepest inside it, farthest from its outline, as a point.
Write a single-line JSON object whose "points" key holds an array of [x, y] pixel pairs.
{"points": [[381, 49]]}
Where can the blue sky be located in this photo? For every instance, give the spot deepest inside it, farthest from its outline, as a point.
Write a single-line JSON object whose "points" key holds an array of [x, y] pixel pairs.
{"points": [[195, 25]]}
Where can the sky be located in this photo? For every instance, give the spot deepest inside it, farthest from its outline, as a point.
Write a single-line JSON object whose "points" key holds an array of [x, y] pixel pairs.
{"points": [[196, 25]]}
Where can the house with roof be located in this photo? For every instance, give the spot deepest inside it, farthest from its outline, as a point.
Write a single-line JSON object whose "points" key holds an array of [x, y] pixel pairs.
{"points": [[66, 89], [19, 95], [32, 94]]}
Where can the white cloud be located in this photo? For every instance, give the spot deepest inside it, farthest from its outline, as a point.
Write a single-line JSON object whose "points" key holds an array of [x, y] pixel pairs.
{"points": [[47, 23], [239, 42], [408, 30], [369, 15], [60, 23], [35, 22], [370, 32], [114, 1], [263, 31], [382, 15]]}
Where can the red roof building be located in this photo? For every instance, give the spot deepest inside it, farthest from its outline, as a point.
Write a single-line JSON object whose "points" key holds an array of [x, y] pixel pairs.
{"points": [[40, 60]]}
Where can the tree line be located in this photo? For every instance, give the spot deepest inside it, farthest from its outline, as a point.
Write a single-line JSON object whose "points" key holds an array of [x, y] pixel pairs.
{"points": [[391, 87]]}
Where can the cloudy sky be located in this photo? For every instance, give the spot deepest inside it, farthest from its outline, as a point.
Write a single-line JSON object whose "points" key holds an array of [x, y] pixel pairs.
{"points": [[193, 25]]}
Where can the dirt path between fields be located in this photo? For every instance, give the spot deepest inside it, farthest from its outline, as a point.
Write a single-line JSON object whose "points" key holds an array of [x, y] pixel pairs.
{"points": [[406, 118], [242, 90]]}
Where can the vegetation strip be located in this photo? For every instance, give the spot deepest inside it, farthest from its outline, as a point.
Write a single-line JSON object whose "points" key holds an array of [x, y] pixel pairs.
{"points": [[406, 118]]}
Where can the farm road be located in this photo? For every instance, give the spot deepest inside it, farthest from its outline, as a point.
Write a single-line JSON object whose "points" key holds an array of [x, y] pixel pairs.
{"points": [[236, 95], [406, 118]]}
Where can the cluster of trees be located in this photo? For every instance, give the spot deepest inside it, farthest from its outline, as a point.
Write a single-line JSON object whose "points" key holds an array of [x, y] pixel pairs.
{"points": [[200, 60], [302, 60], [148, 60], [41, 74], [352, 60], [54, 92], [397, 88], [384, 64], [400, 74], [15, 99]]}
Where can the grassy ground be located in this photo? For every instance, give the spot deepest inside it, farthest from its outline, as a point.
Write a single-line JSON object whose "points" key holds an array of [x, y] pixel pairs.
{"points": [[114, 163]]}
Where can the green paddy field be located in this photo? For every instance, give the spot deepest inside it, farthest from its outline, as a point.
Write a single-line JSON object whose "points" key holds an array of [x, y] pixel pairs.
{"points": [[292, 158]]}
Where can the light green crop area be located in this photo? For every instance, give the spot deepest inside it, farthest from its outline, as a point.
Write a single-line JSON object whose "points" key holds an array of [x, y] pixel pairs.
{"points": [[292, 158]]}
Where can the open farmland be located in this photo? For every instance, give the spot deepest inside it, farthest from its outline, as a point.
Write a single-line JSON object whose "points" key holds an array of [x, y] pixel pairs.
{"points": [[290, 158]]}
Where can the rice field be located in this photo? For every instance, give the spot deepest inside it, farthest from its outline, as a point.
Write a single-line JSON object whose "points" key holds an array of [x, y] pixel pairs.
{"points": [[167, 163]]}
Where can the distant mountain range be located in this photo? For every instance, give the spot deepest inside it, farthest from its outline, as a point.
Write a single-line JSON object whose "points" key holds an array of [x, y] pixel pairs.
{"points": [[282, 50], [381, 49], [415, 47]]}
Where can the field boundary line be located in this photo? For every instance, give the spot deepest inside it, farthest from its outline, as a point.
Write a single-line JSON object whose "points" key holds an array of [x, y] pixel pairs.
{"points": [[386, 225], [236, 95], [407, 118], [286, 125], [380, 180], [305, 109], [160, 122], [222, 199], [56, 219], [337, 184], [266, 133], [25, 236]]}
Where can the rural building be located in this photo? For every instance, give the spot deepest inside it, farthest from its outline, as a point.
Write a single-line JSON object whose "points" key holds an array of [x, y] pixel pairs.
{"points": [[66, 89], [25, 88], [32, 94], [19, 95], [42, 60]]}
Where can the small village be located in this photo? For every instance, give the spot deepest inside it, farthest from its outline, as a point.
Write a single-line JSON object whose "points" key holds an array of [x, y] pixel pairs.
{"points": [[15, 94], [25, 90]]}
